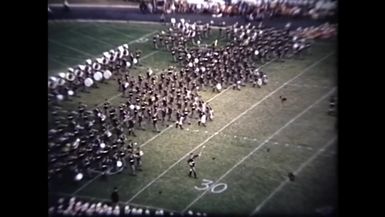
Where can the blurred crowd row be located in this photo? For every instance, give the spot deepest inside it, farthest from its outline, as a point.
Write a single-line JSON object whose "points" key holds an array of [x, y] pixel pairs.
{"points": [[258, 9], [86, 207]]}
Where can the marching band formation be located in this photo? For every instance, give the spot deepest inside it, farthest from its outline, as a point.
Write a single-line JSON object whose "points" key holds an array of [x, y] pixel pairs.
{"points": [[95, 140]]}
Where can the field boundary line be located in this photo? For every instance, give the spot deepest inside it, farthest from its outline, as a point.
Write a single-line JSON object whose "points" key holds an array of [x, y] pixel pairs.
{"points": [[260, 145], [117, 21], [302, 166], [236, 118]]}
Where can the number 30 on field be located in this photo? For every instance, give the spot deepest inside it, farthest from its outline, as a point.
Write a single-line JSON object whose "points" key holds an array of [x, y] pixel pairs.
{"points": [[214, 188]]}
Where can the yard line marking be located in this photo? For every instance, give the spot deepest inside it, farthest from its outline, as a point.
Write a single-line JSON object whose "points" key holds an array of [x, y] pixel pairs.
{"points": [[57, 61], [69, 47], [104, 199], [87, 183], [314, 156], [255, 139], [220, 130], [64, 57], [308, 86], [129, 36], [260, 145], [92, 38], [114, 30]]}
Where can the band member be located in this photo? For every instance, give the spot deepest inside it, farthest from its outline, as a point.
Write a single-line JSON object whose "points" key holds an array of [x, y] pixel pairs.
{"points": [[332, 106], [155, 41], [131, 161], [131, 124], [202, 119], [154, 122], [138, 156], [179, 120], [211, 112], [191, 164]]}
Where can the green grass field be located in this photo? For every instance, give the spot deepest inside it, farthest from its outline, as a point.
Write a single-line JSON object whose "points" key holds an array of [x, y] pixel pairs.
{"points": [[251, 146]]}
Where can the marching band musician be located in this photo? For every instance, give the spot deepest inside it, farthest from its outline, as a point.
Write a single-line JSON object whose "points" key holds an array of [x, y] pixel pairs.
{"points": [[191, 164], [138, 156], [172, 91]]}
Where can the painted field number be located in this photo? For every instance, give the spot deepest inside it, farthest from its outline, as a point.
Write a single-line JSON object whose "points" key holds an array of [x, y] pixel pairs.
{"points": [[214, 188]]}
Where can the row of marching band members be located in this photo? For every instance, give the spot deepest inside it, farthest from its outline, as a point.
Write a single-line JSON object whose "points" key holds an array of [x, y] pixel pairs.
{"points": [[67, 84]]}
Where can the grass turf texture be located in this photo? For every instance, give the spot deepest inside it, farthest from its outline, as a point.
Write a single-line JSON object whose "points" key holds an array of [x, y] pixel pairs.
{"points": [[232, 135]]}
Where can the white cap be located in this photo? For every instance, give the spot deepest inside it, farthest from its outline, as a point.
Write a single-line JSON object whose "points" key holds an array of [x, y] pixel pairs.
{"points": [[62, 74]]}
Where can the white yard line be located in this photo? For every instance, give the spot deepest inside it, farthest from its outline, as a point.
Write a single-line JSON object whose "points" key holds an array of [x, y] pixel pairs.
{"points": [[92, 38], [144, 36], [309, 86], [236, 118], [114, 30], [276, 190], [63, 57], [57, 61], [86, 184], [69, 47], [260, 145]]}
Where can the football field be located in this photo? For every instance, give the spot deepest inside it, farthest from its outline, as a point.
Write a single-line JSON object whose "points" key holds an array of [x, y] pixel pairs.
{"points": [[251, 145]]}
